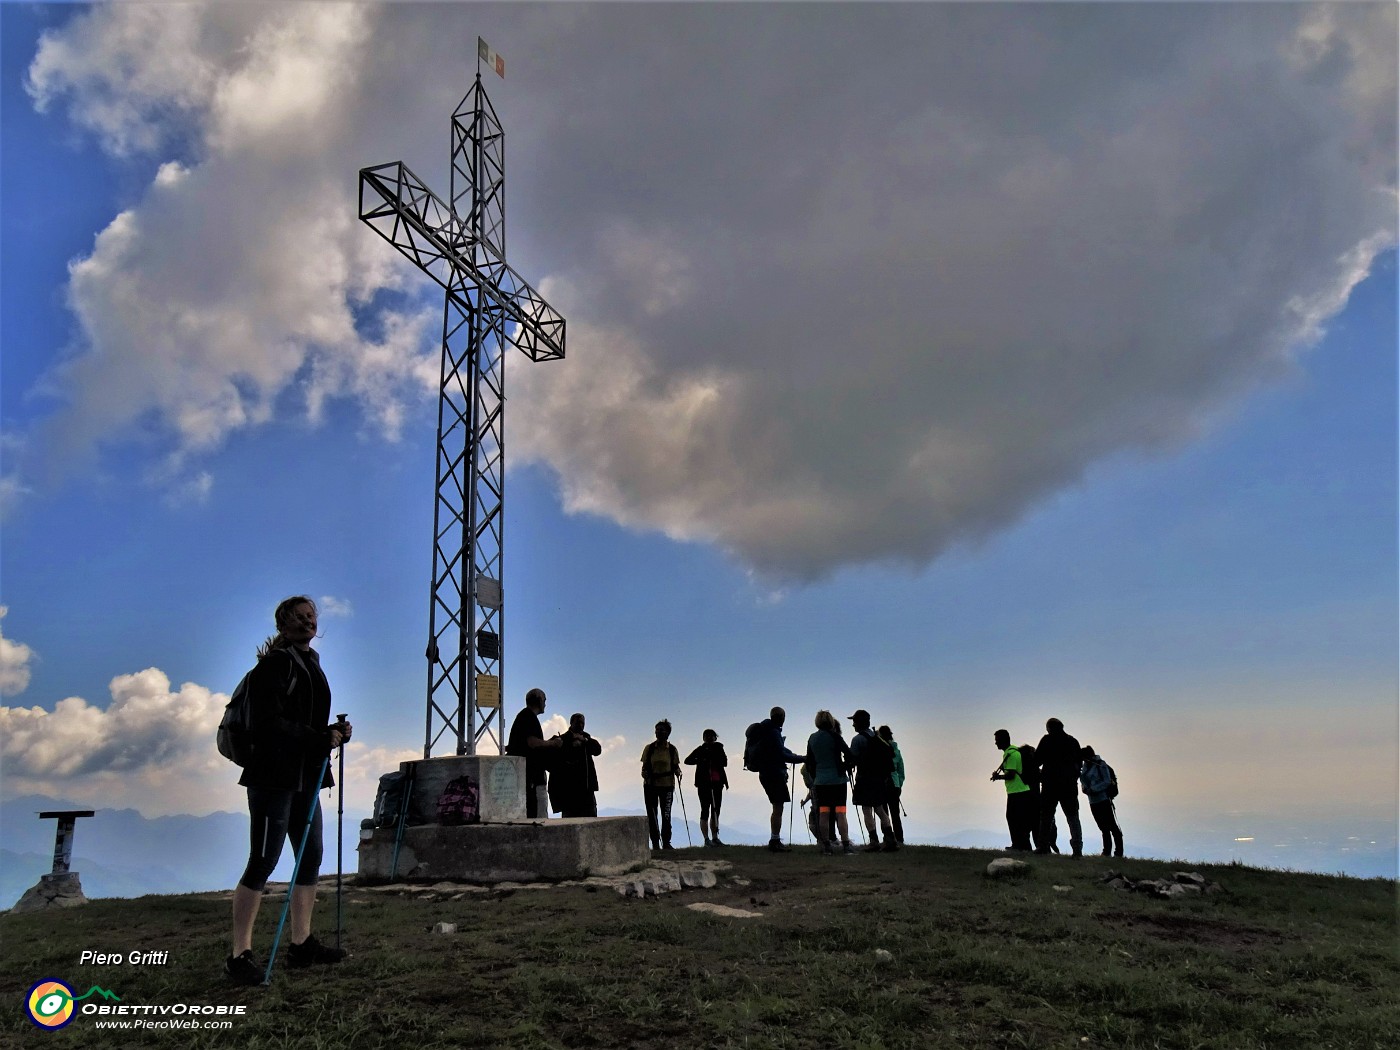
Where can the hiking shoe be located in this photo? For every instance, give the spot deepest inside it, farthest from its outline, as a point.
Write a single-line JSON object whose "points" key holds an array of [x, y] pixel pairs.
{"points": [[847, 849], [776, 846], [874, 847], [716, 842], [243, 969], [890, 846], [312, 952]]}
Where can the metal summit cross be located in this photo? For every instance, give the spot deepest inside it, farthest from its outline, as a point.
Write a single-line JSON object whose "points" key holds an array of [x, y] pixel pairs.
{"points": [[488, 308]]}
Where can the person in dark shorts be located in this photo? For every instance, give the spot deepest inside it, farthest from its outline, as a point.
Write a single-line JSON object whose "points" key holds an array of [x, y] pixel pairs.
{"points": [[292, 737], [710, 780], [873, 761], [829, 757], [773, 758], [526, 740]]}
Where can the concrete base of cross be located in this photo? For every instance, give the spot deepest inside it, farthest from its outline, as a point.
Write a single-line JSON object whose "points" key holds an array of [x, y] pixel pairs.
{"points": [[560, 848]]}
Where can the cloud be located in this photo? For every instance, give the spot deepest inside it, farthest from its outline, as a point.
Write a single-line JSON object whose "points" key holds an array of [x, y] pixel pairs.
{"points": [[817, 321], [330, 606], [149, 739], [14, 662]]}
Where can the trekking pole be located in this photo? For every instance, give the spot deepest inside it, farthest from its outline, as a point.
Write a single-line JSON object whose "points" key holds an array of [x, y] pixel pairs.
{"points": [[688, 840], [792, 793], [403, 818], [339, 831], [296, 867]]}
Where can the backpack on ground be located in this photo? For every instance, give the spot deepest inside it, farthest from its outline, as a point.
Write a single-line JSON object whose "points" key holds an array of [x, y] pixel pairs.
{"points": [[1030, 765], [389, 800], [459, 803], [234, 737], [753, 746]]}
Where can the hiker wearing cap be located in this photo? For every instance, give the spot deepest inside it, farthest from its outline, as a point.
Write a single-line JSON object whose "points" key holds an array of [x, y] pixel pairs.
{"points": [[873, 761], [661, 772], [1020, 803], [1058, 755], [766, 751]]}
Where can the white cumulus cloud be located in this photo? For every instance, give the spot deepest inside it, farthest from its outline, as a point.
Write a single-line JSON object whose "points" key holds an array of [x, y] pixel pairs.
{"points": [[151, 746], [815, 320], [14, 662]]}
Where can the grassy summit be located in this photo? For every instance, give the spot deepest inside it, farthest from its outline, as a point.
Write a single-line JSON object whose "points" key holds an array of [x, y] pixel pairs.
{"points": [[913, 949]]}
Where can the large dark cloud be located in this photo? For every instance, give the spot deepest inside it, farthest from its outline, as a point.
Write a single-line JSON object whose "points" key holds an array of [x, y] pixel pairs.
{"points": [[846, 283]]}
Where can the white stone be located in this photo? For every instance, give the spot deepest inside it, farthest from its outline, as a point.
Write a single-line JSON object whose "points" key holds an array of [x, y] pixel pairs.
{"points": [[724, 910], [1006, 866]]}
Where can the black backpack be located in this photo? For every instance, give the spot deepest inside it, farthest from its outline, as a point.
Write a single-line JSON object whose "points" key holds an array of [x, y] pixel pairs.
{"points": [[1030, 765], [877, 760], [235, 734], [753, 747]]}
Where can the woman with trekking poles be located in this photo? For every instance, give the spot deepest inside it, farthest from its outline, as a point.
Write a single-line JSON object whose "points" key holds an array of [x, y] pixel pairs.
{"points": [[293, 737]]}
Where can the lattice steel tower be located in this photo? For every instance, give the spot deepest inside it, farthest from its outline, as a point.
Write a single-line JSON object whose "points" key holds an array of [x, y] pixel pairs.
{"points": [[487, 309]]}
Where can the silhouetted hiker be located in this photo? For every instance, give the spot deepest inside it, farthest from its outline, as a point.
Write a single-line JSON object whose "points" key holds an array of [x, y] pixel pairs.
{"points": [[1020, 803], [1058, 755], [896, 785], [873, 760], [829, 758], [766, 752], [710, 780], [661, 771], [1101, 787], [292, 737], [526, 740], [573, 783]]}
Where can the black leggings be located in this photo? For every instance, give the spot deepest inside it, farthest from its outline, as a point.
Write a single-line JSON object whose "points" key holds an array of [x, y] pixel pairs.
{"points": [[711, 798], [274, 817]]}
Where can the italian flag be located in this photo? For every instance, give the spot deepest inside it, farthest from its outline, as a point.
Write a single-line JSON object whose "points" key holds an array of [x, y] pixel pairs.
{"points": [[495, 61]]}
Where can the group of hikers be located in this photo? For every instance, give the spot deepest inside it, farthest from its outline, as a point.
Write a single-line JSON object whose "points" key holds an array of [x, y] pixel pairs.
{"points": [[285, 745], [1048, 776], [560, 773], [1039, 780]]}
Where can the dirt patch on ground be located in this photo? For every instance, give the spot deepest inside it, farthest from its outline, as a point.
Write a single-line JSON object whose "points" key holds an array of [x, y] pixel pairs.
{"points": [[1216, 933]]}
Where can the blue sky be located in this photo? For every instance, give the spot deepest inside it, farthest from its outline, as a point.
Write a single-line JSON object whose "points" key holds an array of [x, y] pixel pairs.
{"points": [[884, 389]]}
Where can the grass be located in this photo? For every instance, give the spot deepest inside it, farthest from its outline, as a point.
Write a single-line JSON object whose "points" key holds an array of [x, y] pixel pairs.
{"points": [[1278, 960]]}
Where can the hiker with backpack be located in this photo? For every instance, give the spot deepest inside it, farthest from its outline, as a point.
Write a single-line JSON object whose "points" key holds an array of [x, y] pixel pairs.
{"points": [[661, 772], [896, 786], [1058, 755], [526, 740], [1100, 785], [1021, 812], [873, 762], [284, 749], [710, 781], [573, 784], [829, 758], [766, 753]]}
